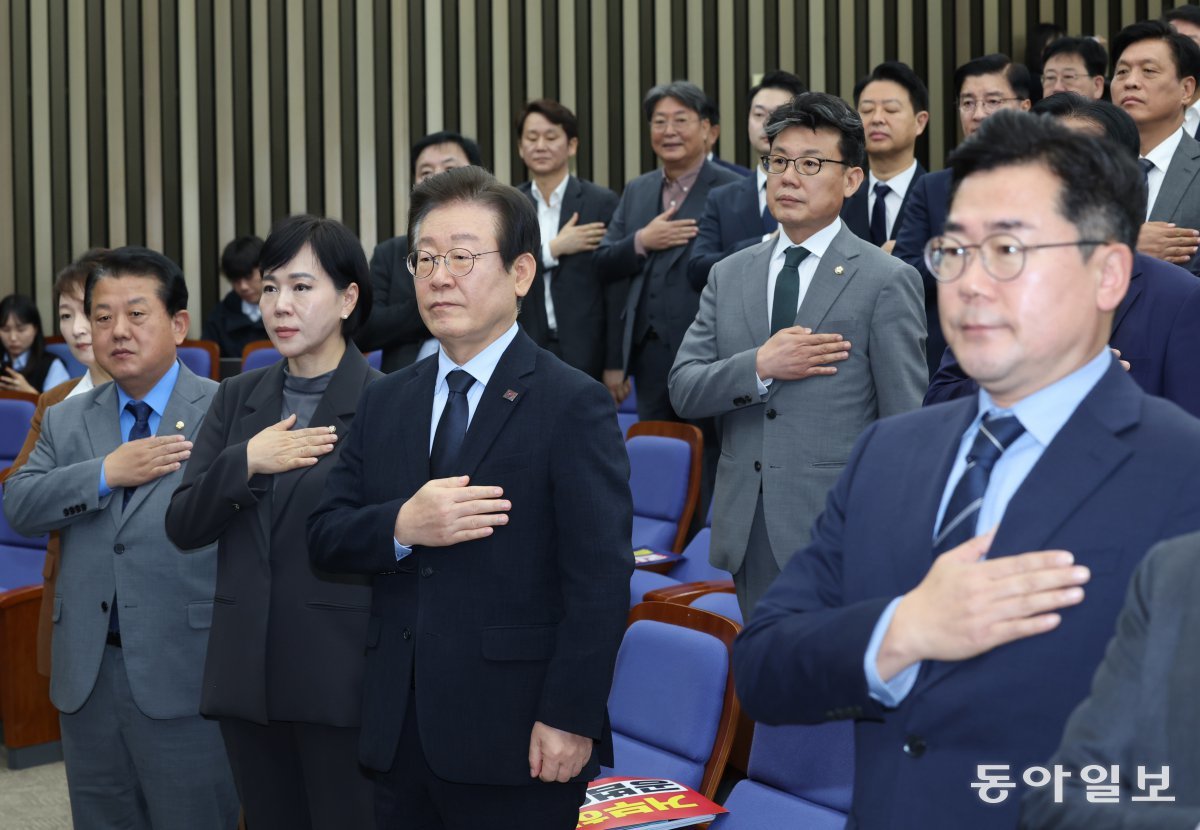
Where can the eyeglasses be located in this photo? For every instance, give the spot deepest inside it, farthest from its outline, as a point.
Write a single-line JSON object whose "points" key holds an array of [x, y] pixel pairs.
{"points": [[681, 124], [990, 105], [1066, 77], [458, 262], [805, 165], [1002, 254]]}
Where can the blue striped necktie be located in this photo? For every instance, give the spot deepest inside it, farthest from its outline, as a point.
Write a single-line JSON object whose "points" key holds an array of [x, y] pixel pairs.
{"points": [[996, 434]]}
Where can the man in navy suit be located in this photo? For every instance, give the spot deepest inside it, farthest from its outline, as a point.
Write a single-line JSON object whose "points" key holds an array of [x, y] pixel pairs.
{"points": [[893, 104], [971, 561], [982, 86], [1156, 330], [486, 489], [736, 215]]}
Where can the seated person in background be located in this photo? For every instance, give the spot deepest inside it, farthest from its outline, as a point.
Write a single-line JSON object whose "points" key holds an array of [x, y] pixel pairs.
{"points": [[1074, 64], [236, 320], [25, 365]]}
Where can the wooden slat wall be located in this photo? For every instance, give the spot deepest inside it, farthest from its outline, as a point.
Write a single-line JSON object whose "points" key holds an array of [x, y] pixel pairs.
{"points": [[181, 123]]}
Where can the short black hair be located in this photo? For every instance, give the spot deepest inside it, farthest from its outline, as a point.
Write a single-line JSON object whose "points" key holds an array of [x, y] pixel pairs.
{"points": [[552, 111], [26, 312], [1188, 13], [469, 148], [1016, 74], [897, 73], [240, 257], [779, 79], [1094, 56], [711, 111], [517, 230], [1183, 49], [815, 110], [685, 92], [335, 247], [1102, 193], [136, 261], [1118, 125]]}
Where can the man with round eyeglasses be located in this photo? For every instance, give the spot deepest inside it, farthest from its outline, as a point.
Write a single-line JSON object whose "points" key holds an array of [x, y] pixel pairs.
{"points": [[968, 569]]}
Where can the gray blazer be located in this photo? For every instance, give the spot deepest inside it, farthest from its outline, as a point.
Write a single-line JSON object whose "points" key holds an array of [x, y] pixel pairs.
{"points": [[795, 441], [1179, 197], [1143, 708], [165, 596]]}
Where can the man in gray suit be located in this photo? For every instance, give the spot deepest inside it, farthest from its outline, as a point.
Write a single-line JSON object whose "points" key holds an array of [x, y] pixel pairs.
{"points": [[647, 243], [800, 342], [1142, 716], [132, 612], [1155, 72]]}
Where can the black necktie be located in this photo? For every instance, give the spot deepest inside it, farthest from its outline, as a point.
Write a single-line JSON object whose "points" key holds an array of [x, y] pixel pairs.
{"points": [[768, 221], [452, 428], [879, 233], [141, 429], [787, 290], [962, 511], [1147, 166]]}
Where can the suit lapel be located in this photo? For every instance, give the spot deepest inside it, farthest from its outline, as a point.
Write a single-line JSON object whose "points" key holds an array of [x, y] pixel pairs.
{"points": [[419, 390], [503, 394], [260, 410], [1136, 283], [572, 201], [1177, 179], [827, 285], [104, 430], [904, 202], [754, 293]]}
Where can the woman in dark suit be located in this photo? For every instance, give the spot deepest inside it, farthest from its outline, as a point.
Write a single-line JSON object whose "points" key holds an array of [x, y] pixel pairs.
{"points": [[285, 657]]}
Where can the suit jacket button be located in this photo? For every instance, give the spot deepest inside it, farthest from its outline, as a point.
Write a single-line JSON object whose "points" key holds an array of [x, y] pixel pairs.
{"points": [[67, 510], [758, 466], [406, 634], [237, 506], [771, 413], [427, 571], [104, 606], [914, 746], [118, 549]]}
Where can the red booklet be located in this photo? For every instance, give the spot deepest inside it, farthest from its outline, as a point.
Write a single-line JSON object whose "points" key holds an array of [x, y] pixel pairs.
{"points": [[645, 803]]}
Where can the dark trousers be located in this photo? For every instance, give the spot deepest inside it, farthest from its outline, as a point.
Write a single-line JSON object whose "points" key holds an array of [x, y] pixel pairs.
{"points": [[759, 568], [295, 776], [412, 797]]}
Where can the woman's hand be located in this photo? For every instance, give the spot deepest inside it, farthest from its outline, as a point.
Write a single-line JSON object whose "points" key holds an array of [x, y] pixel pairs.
{"points": [[279, 448], [14, 381]]}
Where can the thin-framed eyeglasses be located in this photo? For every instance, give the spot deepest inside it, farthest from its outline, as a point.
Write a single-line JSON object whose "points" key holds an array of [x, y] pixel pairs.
{"points": [[457, 261], [1066, 78], [990, 105], [1002, 254], [805, 165]]}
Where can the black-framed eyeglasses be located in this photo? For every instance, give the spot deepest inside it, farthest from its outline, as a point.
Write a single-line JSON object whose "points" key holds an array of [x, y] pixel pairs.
{"points": [[1002, 254], [805, 165], [457, 261]]}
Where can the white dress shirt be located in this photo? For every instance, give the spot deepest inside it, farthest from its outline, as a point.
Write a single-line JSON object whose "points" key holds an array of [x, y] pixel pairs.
{"points": [[549, 220], [1161, 156], [899, 185]]}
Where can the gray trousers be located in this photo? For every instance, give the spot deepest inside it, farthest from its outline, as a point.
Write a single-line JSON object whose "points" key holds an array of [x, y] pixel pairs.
{"points": [[759, 568], [127, 770]]}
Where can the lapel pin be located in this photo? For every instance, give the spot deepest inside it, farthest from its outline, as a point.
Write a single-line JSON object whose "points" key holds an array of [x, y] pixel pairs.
{"points": [[839, 270], [179, 425], [510, 396]]}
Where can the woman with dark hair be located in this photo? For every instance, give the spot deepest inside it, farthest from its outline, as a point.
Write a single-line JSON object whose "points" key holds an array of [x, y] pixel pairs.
{"points": [[285, 656], [25, 365]]}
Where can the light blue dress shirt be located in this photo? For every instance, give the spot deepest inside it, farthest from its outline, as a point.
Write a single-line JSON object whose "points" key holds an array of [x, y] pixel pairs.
{"points": [[56, 374], [481, 367], [1042, 414], [157, 399]]}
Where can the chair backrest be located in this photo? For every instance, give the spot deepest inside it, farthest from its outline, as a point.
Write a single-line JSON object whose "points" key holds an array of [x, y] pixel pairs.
{"points": [[375, 360], [627, 412], [799, 776], [672, 705], [667, 485], [59, 348], [720, 602], [258, 354], [201, 356], [16, 413]]}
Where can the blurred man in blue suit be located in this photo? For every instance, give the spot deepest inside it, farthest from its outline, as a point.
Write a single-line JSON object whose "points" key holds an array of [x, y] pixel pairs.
{"points": [[971, 561]]}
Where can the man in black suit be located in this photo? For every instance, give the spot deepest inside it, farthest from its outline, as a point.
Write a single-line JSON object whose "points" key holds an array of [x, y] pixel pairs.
{"points": [[395, 326], [736, 215], [650, 236], [486, 489], [568, 304], [894, 106], [236, 321]]}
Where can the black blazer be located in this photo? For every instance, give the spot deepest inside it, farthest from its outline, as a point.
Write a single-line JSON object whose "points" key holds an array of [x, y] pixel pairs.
{"points": [[518, 627], [731, 222], [395, 324], [854, 210], [582, 312], [287, 639], [229, 327]]}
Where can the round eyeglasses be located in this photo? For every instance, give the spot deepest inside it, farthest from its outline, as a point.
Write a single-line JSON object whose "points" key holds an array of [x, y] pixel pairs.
{"points": [[1002, 254], [457, 261]]}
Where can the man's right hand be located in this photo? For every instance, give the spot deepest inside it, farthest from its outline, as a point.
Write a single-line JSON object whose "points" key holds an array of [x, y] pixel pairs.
{"points": [[967, 605], [663, 232], [445, 511], [795, 353], [575, 238], [617, 383], [135, 463], [1163, 240]]}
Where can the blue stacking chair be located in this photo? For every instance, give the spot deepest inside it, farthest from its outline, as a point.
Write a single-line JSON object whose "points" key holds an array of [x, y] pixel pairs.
{"points": [[672, 706], [693, 568], [798, 776], [724, 603], [16, 413], [258, 354], [201, 356]]}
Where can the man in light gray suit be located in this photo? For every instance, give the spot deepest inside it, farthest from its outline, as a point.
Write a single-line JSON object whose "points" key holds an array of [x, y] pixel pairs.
{"points": [[1142, 716], [131, 612], [800, 342]]}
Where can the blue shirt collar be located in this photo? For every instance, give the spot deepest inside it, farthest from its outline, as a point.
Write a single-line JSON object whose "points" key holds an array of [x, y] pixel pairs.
{"points": [[1045, 412], [481, 366], [156, 397]]}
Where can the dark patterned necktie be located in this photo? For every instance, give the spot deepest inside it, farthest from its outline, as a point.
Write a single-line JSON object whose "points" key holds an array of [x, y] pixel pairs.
{"points": [[787, 289], [452, 428], [996, 434], [141, 429], [879, 233]]}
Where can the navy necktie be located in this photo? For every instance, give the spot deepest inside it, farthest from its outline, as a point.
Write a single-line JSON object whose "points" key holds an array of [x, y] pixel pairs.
{"points": [[452, 428], [996, 434], [787, 290], [1147, 166], [879, 233], [768, 221], [141, 429]]}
